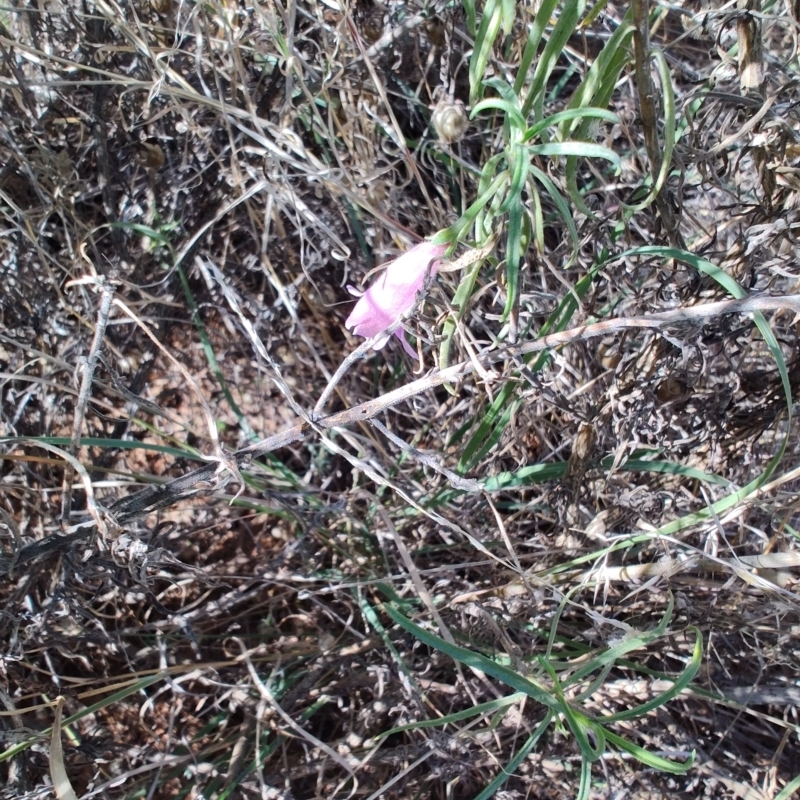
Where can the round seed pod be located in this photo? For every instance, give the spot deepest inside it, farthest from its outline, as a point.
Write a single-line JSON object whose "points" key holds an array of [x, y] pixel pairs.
{"points": [[450, 121]]}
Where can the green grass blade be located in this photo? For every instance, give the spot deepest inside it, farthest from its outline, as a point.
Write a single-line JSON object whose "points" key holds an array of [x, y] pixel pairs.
{"points": [[540, 23], [501, 704], [586, 780], [115, 444], [562, 31], [563, 209], [789, 790], [509, 109], [513, 257], [733, 288], [577, 722], [469, 11], [494, 786], [568, 115], [470, 659], [491, 21], [537, 473], [628, 645], [494, 421], [668, 146], [136, 686], [686, 677], [650, 759], [577, 149], [596, 88]]}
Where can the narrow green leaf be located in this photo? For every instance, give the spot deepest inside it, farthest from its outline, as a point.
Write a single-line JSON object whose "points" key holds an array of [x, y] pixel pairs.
{"points": [[501, 704], [467, 657], [650, 759], [576, 721], [509, 109], [568, 115], [733, 288], [586, 780], [513, 256], [563, 208], [579, 149], [686, 677], [560, 35], [106, 702], [494, 786], [537, 473], [789, 790], [495, 420], [508, 14], [540, 22], [538, 213], [116, 444], [484, 41], [668, 146], [596, 88], [627, 645], [490, 429], [469, 11]]}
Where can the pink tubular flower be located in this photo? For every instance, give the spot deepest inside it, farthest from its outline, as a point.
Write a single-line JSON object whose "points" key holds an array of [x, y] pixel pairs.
{"points": [[393, 293]]}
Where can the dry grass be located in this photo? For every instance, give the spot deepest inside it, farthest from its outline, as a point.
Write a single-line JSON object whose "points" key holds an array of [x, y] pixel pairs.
{"points": [[219, 173]]}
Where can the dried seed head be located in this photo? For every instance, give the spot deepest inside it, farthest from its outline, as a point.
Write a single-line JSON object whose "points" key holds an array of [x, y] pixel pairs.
{"points": [[450, 121], [150, 156], [161, 6]]}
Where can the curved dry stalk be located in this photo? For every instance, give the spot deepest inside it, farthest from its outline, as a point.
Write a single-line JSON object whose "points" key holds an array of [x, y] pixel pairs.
{"points": [[209, 478], [89, 366], [647, 110], [58, 772]]}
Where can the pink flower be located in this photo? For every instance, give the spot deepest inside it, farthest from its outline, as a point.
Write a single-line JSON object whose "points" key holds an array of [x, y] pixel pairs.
{"points": [[394, 292]]}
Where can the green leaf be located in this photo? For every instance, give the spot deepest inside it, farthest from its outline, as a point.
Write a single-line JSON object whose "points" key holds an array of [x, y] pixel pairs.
{"points": [[540, 22], [475, 660], [513, 257], [565, 212], [484, 41], [788, 791], [509, 8], [134, 688], [492, 788], [668, 146], [568, 115], [490, 429], [469, 11], [501, 704], [577, 722], [494, 421], [595, 91], [687, 676], [459, 303], [538, 213], [509, 109], [560, 35], [579, 149], [596, 88], [115, 444], [586, 780], [650, 759], [627, 645]]}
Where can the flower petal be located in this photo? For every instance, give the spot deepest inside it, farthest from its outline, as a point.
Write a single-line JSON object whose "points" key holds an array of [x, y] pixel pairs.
{"points": [[394, 292]]}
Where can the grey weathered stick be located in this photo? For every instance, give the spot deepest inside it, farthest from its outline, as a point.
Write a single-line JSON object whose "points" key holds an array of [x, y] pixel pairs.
{"points": [[106, 297], [207, 479], [647, 110]]}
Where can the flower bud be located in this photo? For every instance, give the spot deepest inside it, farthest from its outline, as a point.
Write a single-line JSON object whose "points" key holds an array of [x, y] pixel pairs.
{"points": [[393, 294]]}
